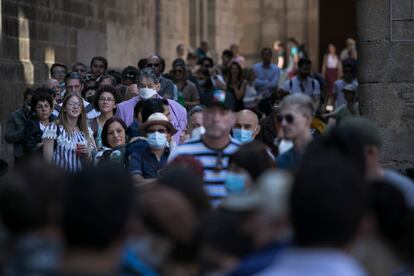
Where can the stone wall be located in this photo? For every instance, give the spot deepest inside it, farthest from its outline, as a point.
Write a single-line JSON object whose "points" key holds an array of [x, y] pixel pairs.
{"points": [[386, 74]]}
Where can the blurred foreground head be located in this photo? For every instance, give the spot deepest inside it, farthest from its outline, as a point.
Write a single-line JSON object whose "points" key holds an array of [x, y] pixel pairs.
{"points": [[97, 206], [328, 196], [31, 197]]}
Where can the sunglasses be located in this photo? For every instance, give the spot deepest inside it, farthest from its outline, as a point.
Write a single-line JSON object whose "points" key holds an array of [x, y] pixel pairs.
{"points": [[178, 71], [219, 162], [289, 118], [153, 64], [160, 130]]}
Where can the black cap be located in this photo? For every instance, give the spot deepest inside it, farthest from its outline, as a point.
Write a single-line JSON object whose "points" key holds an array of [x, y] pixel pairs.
{"points": [[219, 98]]}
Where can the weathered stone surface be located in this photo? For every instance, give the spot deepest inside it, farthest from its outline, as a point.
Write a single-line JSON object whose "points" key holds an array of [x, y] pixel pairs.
{"points": [[373, 20], [386, 76], [386, 61]]}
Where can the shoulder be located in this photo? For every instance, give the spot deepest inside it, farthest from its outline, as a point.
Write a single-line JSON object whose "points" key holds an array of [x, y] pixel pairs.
{"points": [[176, 106], [191, 84], [130, 102], [51, 131]]}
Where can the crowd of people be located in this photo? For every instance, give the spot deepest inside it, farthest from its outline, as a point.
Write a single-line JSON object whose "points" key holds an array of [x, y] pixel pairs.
{"points": [[208, 169]]}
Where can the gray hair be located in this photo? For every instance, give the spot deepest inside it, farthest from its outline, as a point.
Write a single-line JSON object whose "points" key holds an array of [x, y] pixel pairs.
{"points": [[302, 100], [148, 73], [195, 109]]}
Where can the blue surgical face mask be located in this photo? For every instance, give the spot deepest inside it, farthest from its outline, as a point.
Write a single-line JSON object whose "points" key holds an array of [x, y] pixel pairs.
{"points": [[235, 182], [157, 140], [243, 135]]}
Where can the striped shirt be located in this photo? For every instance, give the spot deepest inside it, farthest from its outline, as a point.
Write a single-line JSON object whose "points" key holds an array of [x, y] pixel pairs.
{"points": [[64, 153], [214, 161]]}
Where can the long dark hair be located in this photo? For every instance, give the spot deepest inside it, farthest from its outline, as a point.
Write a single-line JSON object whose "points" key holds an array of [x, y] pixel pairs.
{"points": [[239, 75], [109, 122]]}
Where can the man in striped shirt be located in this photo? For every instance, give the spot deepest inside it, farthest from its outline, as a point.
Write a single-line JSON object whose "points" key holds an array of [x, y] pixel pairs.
{"points": [[215, 146]]}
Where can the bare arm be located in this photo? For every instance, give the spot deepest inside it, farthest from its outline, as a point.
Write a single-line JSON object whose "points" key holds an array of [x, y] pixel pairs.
{"points": [[48, 147]]}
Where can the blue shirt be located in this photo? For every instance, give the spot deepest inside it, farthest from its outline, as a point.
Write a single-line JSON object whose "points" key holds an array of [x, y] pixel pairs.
{"points": [[267, 78], [260, 259], [146, 163], [288, 160], [133, 130]]}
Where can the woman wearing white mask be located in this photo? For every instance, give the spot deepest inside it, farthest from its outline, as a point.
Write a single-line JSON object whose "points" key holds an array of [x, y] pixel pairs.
{"points": [[147, 163]]}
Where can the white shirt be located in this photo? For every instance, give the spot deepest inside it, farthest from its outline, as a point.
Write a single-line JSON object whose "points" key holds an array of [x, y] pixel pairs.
{"points": [[314, 262]]}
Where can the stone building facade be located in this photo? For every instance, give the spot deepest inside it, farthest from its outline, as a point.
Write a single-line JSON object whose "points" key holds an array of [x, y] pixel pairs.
{"points": [[386, 74], [36, 33]]}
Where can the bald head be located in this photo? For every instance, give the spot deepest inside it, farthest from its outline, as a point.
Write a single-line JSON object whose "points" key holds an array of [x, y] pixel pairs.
{"points": [[247, 120]]}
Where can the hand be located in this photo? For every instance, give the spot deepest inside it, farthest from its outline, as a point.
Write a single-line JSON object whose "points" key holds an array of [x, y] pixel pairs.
{"points": [[82, 151], [133, 89], [39, 145]]}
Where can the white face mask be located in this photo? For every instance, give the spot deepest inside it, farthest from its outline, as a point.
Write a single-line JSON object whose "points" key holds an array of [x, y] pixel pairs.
{"points": [[147, 93], [198, 132]]}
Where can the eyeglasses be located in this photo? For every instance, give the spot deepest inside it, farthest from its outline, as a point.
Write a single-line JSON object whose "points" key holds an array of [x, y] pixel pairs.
{"points": [[178, 71], [106, 99], [160, 130], [289, 118], [152, 65], [76, 105]]}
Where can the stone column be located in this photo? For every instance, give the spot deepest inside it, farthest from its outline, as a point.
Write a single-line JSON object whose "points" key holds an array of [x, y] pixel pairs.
{"points": [[386, 74]]}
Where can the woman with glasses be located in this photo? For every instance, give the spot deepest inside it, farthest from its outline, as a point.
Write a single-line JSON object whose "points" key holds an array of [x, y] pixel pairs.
{"points": [[106, 100], [186, 89], [69, 142], [148, 163]]}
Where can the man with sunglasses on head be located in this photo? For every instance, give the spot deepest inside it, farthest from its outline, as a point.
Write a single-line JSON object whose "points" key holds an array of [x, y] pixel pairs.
{"points": [[295, 117], [215, 146], [304, 83], [168, 89], [74, 84]]}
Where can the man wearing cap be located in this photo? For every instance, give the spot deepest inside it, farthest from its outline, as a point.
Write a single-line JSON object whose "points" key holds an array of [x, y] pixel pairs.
{"points": [[148, 163], [215, 145], [346, 110], [246, 127], [348, 77]]}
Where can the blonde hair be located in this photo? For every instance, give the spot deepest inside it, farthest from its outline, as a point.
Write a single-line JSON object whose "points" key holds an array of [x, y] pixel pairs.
{"points": [[63, 120]]}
